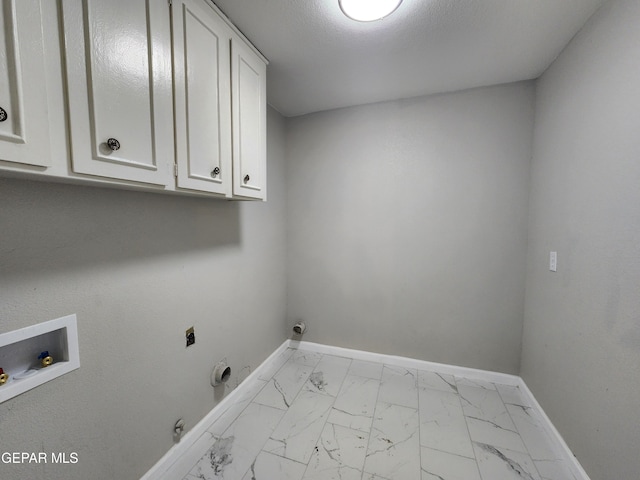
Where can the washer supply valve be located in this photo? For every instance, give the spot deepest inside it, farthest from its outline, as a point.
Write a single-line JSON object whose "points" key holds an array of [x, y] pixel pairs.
{"points": [[45, 358]]}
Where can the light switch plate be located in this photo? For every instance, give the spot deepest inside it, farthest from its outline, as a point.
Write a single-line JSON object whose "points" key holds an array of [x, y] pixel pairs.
{"points": [[553, 261]]}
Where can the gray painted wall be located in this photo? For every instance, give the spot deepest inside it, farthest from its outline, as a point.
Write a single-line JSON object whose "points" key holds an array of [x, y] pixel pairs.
{"points": [[407, 225], [138, 269], [581, 343], [406, 229]]}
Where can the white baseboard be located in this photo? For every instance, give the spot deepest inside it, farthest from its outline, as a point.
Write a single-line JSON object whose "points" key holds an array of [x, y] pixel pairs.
{"points": [[554, 434], [158, 471], [470, 373]]}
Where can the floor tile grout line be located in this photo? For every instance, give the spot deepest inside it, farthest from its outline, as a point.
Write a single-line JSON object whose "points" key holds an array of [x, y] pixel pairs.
{"points": [[242, 411], [533, 463], [435, 390], [373, 419], [279, 456], [466, 424], [314, 367], [447, 452], [283, 363], [415, 378], [415, 382], [255, 459], [267, 382], [253, 397], [298, 391], [329, 411], [378, 402], [418, 390], [216, 438], [351, 414], [285, 411]]}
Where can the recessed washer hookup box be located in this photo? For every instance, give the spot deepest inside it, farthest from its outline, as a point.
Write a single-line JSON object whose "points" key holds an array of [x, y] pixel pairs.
{"points": [[37, 354]]}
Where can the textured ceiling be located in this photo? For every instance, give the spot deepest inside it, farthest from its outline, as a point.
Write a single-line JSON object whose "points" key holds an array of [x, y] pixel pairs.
{"points": [[320, 59]]}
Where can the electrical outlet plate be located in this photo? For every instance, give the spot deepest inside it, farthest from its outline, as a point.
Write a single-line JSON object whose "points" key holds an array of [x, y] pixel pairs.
{"points": [[191, 336]]}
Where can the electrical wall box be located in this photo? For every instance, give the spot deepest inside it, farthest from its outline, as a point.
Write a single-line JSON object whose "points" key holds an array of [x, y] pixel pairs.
{"points": [[19, 351], [191, 336]]}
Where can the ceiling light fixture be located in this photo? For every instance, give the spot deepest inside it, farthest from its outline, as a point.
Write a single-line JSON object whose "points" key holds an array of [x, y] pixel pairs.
{"points": [[368, 10]]}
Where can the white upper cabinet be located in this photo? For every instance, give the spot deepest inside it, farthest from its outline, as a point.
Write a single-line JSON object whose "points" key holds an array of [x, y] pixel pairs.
{"points": [[220, 104], [202, 97], [24, 127], [118, 60], [249, 113], [161, 95]]}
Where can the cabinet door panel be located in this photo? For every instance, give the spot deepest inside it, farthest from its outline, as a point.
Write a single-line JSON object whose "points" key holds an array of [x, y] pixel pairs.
{"points": [[119, 88], [24, 128], [202, 97], [249, 114]]}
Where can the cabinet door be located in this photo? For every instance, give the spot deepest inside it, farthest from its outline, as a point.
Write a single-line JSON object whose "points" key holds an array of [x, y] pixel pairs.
{"points": [[119, 79], [24, 127], [249, 112], [202, 96]]}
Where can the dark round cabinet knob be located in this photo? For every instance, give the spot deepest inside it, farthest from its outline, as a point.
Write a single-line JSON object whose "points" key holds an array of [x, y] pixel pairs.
{"points": [[3, 114], [113, 144], [215, 172], [247, 178]]}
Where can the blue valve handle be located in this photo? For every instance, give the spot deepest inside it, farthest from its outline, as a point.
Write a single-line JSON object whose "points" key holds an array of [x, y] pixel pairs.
{"points": [[43, 355]]}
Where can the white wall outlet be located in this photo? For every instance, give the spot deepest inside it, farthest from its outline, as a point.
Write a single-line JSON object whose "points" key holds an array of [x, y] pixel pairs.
{"points": [[553, 261]]}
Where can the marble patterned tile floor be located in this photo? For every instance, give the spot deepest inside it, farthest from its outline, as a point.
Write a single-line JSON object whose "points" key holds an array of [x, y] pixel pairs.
{"points": [[325, 417]]}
